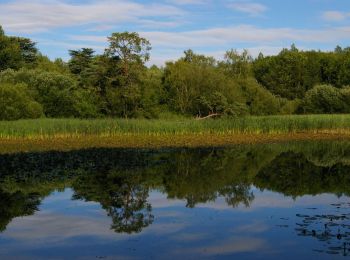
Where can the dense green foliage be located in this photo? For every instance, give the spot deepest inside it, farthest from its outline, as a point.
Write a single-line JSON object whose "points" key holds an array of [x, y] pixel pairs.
{"points": [[117, 83], [292, 72], [326, 99], [16, 103]]}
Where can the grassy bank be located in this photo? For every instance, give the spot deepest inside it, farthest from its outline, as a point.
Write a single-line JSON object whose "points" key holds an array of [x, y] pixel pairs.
{"points": [[68, 134], [47, 128], [154, 141]]}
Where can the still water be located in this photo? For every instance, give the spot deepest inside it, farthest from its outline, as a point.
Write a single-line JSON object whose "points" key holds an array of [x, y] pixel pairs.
{"points": [[251, 202]]}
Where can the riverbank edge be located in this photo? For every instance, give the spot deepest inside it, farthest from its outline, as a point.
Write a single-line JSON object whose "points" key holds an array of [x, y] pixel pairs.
{"points": [[159, 141]]}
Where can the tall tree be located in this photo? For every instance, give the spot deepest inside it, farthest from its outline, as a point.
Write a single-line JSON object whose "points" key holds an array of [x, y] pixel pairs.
{"points": [[237, 65], [29, 52], [80, 64], [129, 52], [80, 60], [16, 52]]}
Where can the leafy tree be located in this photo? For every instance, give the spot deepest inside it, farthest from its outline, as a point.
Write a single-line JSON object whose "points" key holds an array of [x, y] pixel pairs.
{"points": [[153, 101], [56, 92], [16, 52], [324, 99], [198, 59], [129, 48], [289, 107], [182, 81], [292, 72], [283, 74], [80, 60], [215, 103], [15, 103], [237, 65], [329, 68], [129, 51], [10, 53], [196, 86], [43, 63], [344, 71], [86, 104], [80, 64], [345, 92], [28, 50], [258, 100]]}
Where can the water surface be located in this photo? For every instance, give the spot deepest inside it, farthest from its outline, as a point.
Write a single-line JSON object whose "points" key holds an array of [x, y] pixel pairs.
{"points": [[263, 201]]}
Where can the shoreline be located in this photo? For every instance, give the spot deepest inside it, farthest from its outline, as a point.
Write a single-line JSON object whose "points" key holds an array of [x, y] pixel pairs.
{"points": [[158, 141]]}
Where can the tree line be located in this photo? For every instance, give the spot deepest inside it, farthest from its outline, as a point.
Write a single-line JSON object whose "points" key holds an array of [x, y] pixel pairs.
{"points": [[117, 83]]}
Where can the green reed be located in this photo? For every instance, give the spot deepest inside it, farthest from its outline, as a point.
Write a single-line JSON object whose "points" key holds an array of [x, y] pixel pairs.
{"points": [[110, 127]]}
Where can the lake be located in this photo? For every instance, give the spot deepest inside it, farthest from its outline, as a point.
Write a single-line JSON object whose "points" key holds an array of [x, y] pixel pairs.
{"points": [[266, 201]]}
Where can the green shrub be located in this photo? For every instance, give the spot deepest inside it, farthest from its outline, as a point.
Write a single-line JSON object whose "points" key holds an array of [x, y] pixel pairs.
{"points": [[258, 99], [15, 103], [346, 97], [86, 104], [290, 107], [324, 99], [53, 90]]}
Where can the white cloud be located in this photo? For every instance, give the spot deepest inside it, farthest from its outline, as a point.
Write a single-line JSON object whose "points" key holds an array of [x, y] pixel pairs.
{"points": [[71, 45], [253, 9], [89, 38], [159, 24], [39, 228], [245, 34], [188, 2], [335, 16], [233, 35], [232, 246], [40, 15]]}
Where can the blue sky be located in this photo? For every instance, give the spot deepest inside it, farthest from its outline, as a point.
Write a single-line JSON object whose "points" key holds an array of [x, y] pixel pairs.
{"points": [[207, 26]]}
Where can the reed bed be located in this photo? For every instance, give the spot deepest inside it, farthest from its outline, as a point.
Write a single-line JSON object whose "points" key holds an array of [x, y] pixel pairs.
{"points": [[57, 128], [71, 134]]}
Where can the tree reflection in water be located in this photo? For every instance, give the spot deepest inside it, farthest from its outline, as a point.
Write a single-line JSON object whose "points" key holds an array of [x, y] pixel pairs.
{"points": [[120, 180], [16, 204], [121, 194]]}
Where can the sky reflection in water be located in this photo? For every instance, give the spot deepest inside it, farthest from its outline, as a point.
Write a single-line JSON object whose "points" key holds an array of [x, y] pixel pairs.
{"points": [[266, 201]]}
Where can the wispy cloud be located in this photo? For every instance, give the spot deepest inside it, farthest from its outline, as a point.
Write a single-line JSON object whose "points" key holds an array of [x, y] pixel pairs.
{"points": [[188, 2], [231, 246], [251, 8], [335, 16], [236, 34], [246, 34], [40, 15]]}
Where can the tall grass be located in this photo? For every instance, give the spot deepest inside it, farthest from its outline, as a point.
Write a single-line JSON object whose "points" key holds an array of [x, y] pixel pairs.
{"points": [[110, 127]]}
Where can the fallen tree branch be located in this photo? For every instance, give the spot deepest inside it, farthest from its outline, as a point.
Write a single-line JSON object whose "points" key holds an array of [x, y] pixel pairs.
{"points": [[208, 116]]}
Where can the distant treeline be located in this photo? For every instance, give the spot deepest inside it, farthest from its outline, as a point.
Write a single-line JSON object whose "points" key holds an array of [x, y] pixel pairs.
{"points": [[118, 84]]}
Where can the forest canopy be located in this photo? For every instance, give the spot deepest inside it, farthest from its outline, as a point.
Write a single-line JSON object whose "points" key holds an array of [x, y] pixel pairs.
{"points": [[117, 83]]}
